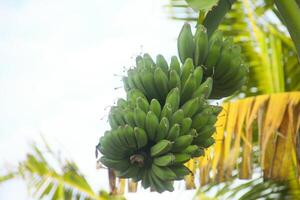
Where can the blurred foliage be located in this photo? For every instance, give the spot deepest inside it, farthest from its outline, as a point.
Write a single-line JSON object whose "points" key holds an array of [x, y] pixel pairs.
{"points": [[250, 190], [202, 5], [268, 49], [49, 176], [6, 177]]}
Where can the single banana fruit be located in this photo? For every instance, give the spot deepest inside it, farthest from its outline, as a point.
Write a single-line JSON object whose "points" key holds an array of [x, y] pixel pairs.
{"points": [[185, 43], [165, 160], [151, 125], [160, 148], [201, 45]]}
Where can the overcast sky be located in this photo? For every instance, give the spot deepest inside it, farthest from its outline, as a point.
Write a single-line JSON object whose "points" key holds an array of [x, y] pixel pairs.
{"points": [[60, 61]]}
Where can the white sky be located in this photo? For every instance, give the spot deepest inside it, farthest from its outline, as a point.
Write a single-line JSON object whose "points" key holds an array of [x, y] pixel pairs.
{"points": [[57, 64]]}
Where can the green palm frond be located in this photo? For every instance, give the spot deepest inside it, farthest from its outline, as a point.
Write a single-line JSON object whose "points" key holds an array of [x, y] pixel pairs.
{"points": [[6, 177], [62, 182], [49, 176], [248, 190]]}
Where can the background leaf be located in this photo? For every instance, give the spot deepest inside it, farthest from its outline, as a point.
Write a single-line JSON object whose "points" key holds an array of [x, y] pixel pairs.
{"points": [[203, 5]]}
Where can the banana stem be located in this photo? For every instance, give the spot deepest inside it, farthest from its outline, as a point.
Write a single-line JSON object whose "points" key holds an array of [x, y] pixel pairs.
{"points": [[215, 16], [290, 12], [138, 159], [201, 17]]}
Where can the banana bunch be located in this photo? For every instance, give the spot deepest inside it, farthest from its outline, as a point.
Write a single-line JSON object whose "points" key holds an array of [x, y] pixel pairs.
{"points": [[220, 59], [164, 121], [156, 79]]}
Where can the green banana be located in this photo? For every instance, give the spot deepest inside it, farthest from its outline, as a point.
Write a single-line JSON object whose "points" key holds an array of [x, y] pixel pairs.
{"points": [[162, 63], [145, 180], [207, 143], [138, 83], [190, 149], [155, 107], [186, 125], [212, 120], [140, 137], [120, 165], [112, 122], [164, 173], [233, 70], [180, 170], [165, 160], [160, 185], [122, 103], [188, 89], [109, 149], [149, 63], [174, 132], [181, 143], [182, 157], [123, 138], [224, 61], [116, 115], [140, 66], [193, 132], [139, 175], [177, 117], [227, 89], [133, 94], [160, 148], [201, 119], [199, 152], [161, 82], [164, 185], [132, 171], [110, 153], [187, 69], [154, 184], [126, 84], [191, 107], [201, 45], [174, 80], [138, 60], [129, 117], [130, 74], [151, 124], [214, 53], [198, 75], [163, 129], [114, 137], [148, 83], [207, 131], [139, 117], [173, 98], [142, 104], [205, 88], [241, 73], [130, 137], [175, 65], [166, 112], [185, 43]]}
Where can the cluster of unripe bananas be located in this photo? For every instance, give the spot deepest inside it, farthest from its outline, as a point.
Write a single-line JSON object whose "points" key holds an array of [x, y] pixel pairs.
{"points": [[166, 118], [163, 123], [220, 58]]}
